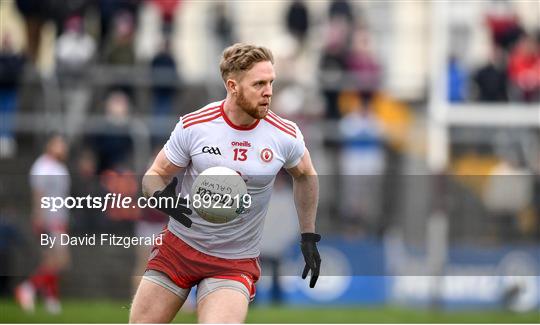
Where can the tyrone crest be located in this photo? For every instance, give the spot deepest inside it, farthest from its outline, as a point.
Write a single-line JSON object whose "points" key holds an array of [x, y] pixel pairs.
{"points": [[267, 155]]}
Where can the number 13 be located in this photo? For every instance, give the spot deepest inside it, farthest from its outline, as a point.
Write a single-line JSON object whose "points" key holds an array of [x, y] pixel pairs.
{"points": [[240, 154]]}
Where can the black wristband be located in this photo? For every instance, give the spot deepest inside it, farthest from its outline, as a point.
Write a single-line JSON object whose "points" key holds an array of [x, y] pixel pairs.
{"points": [[311, 237]]}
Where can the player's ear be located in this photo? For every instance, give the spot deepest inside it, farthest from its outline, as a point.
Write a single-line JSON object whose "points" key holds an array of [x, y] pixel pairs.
{"points": [[232, 85]]}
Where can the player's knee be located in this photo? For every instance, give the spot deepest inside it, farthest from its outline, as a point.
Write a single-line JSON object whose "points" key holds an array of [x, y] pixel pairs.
{"points": [[144, 316], [221, 319], [136, 316], [140, 312]]}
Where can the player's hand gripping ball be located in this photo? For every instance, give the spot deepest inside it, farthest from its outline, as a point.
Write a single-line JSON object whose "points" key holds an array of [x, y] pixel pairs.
{"points": [[219, 195]]}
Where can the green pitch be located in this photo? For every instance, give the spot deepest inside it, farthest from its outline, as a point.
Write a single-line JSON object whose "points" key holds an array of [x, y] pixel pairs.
{"points": [[94, 311]]}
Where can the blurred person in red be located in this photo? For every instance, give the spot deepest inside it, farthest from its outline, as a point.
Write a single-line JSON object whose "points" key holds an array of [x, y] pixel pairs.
{"points": [[503, 24], [524, 69], [49, 177], [167, 9]]}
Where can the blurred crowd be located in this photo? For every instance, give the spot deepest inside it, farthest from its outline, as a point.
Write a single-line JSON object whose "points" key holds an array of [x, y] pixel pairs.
{"points": [[512, 73]]}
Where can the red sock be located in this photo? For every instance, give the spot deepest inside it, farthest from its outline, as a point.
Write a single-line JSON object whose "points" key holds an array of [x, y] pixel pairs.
{"points": [[51, 287]]}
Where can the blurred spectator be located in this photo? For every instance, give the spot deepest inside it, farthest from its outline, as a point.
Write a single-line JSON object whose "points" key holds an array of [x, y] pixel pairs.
{"points": [[491, 80], [457, 81], [75, 50], [363, 66], [524, 69], [109, 10], [119, 45], [11, 68], [86, 182], [119, 50], [223, 25], [166, 82], [341, 9], [503, 24], [297, 20], [333, 64], [167, 9], [165, 79], [112, 142], [362, 164]]}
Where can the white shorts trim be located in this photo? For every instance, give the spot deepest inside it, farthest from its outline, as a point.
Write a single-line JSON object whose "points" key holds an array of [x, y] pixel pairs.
{"points": [[163, 280], [209, 285]]}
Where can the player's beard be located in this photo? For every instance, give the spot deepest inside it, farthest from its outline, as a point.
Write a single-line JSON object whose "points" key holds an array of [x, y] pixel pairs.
{"points": [[252, 110]]}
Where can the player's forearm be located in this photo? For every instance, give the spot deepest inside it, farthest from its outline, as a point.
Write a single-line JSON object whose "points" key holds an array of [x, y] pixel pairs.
{"points": [[152, 181], [306, 198]]}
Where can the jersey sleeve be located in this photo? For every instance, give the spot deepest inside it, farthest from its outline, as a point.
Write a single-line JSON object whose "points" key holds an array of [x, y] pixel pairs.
{"points": [[296, 151], [177, 147]]}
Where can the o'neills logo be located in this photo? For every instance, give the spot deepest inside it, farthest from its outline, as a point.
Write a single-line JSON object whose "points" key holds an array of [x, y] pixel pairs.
{"points": [[244, 143]]}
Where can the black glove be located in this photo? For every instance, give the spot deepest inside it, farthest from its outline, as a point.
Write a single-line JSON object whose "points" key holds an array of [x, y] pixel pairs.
{"points": [[178, 212], [311, 256]]}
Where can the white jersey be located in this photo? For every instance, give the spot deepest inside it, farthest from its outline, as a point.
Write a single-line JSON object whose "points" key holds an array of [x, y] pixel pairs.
{"points": [[207, 138], [51, 178]]}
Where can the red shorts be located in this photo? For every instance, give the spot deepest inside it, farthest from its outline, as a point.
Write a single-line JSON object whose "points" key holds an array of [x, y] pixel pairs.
{"points": [[186, 266]]}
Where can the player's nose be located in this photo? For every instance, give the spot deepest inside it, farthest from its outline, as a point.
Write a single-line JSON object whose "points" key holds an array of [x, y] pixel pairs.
{"points": [[267, 92]]}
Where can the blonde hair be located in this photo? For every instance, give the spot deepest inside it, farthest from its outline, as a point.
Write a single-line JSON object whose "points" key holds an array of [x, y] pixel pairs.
{"points": [[241, 57]]}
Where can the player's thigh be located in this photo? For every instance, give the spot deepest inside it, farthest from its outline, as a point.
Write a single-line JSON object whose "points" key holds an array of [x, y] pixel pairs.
{"points": [[57, 258], [153, 303], [222, 301]]}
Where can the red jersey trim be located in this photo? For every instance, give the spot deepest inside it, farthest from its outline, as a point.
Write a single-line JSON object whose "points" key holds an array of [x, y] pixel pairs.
{"points": [[280, 127], [200, 111], [196, 117], [198, 121], [281, 122], [234, 126]]}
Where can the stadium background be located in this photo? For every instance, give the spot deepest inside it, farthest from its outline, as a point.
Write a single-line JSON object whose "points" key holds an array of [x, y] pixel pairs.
{"points": [[422, 119]]}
